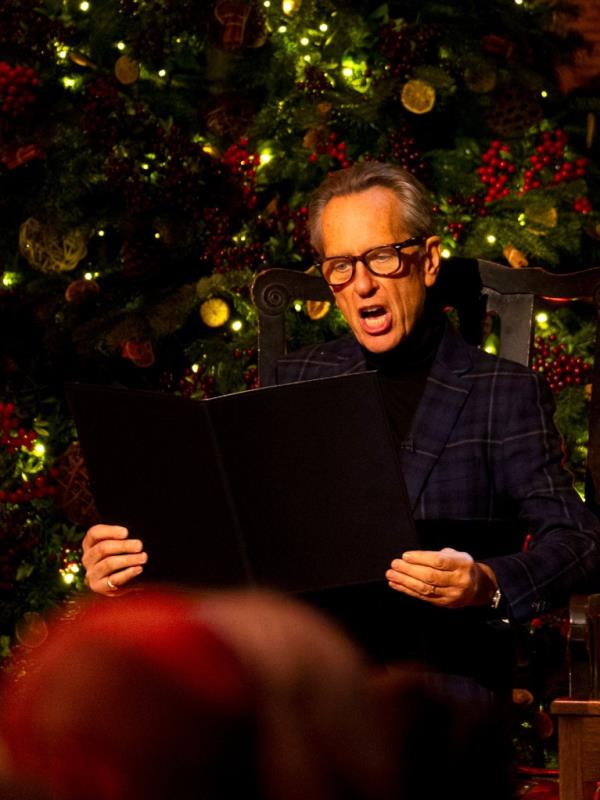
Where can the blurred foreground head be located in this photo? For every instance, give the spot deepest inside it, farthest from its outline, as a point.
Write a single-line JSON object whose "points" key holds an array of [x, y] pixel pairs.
{"points": [[160, 694]]}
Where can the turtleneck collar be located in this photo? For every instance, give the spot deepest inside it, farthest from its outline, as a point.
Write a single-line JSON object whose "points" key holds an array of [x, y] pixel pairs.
{"points": [[415, 352]]}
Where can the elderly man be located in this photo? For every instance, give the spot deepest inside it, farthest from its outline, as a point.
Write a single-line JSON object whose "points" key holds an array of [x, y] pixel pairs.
{"points": [[480, 455]]}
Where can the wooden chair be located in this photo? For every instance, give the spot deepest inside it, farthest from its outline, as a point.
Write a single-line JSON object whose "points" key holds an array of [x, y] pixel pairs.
{"points": [[472, 287]]}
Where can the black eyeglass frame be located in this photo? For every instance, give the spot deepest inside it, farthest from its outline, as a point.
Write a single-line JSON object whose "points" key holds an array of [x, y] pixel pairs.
{"points": [[397, 246]]}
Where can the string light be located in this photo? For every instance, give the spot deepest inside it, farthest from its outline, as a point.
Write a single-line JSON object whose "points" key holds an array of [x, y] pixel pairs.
{"points": [[347, 72], [236, 325], [9, 279], [195, 368], [542, 318], [267, 4], [121, 45], [446, 253], [544, 93], [100, 233], [63, 53], [265, 157], [68, 83], [323, 27], [84, 6], [39, 449], [282, 29], [88, 276], [304, 41], [157, 235], [519, 2], [297, 306], [491, 239], [288, 6], [162, 73]]}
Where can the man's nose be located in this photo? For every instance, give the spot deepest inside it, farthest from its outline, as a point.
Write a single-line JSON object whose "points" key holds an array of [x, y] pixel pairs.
{"points": [[364, 281]]}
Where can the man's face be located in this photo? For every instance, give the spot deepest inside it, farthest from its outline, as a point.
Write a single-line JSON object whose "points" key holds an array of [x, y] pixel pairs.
{"points": [[381, 311]]}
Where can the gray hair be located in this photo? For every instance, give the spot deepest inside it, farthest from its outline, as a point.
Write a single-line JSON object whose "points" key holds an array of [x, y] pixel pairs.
{"points": [[414, 199]]}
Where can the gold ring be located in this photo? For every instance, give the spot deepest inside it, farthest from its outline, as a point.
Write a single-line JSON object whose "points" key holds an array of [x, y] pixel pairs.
{"points": [[111, 585]]}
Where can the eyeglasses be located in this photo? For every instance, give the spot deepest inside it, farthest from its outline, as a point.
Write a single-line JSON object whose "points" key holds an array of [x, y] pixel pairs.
{"points": [[385, 261]]}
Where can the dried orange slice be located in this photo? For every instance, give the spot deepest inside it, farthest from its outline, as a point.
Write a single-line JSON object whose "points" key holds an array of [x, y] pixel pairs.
{"points": [[317, 309], [418, 96]]}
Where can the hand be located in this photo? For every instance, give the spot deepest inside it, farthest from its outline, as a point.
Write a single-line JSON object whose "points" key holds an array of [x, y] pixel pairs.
{"points": [[444, 578], [110, 558]]}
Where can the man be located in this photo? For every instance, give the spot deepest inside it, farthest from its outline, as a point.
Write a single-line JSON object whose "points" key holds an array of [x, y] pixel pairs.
{"points": [[480, 454]]}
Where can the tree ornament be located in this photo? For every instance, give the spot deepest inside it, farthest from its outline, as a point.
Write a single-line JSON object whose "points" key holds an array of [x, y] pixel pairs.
{"points": [[547, 217], [590, 130], [480, 78], [139, 351], [515, 109], [31, 630], [418, 96], [515, 257], [73, 493], [81, 290], [81, 60], [317, 309], [233, 14], [215, 312], [127, 70], [14, 157], [47, 251]]}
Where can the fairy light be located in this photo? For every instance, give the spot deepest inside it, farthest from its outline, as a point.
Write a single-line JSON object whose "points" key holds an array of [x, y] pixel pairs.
{"points": [[84, 6], [68, 83], [288, 6], [542, 318], [521, 219], [157, 235], [162, 73], [88, 276], [446, 253], [67, 577], [100, 233], [9, 279], [347, 72], [519, 2], [304, 41], [491, 239], [39, 450], [544, 93], [195, 368], [491, 348], [307, 58], [267, 4], [121, 46], [145, 166], [282, 29], [63, 53], [236, 325], [297, 306], [323, 27], [265, 157]]}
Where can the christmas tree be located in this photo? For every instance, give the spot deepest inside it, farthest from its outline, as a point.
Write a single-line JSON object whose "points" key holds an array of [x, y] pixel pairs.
{"points": [[155, 154]]}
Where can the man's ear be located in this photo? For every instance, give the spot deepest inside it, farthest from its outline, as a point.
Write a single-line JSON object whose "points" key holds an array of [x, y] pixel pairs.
{"points": [[431, 260]]}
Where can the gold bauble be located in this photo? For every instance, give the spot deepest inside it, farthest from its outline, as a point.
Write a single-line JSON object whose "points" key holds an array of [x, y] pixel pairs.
{"points": [[31, 630], [214, 312], [127, 70], [418, 96]]}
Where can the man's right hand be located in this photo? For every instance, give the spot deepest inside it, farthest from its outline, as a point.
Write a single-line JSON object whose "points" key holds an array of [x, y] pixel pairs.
{"points": [[111, 559]]}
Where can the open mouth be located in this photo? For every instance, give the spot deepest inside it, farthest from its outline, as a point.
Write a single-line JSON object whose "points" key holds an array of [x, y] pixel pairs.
{"points": [[375, 319]]}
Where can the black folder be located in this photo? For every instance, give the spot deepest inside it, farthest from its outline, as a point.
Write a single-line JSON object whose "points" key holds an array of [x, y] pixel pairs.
{"points": [[297, 487]]}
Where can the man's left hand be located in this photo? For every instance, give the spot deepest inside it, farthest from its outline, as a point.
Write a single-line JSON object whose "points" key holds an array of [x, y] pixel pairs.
{"points": [[445, 577]]}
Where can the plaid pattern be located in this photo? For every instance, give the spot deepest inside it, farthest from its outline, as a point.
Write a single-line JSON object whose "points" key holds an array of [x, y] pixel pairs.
{"points": [[483, 451]]}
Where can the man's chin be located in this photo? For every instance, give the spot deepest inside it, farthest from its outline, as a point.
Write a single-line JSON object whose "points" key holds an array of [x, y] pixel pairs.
{"points": [[379, 343]]}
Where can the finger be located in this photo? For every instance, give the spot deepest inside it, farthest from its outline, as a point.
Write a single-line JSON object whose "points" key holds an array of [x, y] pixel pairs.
{"points": [[434, 599], [119, 580], [446, 559], [423, 574], [418, 587], [113, 564], [110, 547], [97, 533]]}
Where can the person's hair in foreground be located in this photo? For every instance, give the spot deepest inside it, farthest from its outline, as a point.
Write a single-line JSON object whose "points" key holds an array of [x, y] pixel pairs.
{"points": [[164, 694]]}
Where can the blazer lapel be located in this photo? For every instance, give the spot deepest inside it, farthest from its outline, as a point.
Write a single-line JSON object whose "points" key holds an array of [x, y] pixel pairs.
{"points": [[444, 396]]}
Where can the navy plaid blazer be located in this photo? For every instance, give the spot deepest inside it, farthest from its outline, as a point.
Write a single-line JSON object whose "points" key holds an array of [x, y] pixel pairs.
{"points": [[483, 454]]}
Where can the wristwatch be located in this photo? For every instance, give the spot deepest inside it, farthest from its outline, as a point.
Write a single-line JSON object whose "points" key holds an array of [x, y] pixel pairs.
{"points": [[496, 598]]}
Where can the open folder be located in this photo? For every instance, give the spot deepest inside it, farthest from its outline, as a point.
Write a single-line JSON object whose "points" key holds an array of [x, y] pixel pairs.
{"points": [[297, 487]]}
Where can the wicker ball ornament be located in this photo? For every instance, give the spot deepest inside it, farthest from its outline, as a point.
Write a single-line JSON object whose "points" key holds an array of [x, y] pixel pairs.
{"points": [[48, 251], [73, 494], [514, 111]]}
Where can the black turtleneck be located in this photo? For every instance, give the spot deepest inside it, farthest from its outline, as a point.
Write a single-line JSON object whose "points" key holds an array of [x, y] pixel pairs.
{"points": [[403, 371]]}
